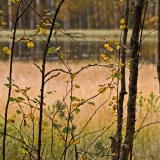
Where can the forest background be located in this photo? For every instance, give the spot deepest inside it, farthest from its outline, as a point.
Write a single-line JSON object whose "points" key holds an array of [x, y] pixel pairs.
{"points": [[90, 14]]}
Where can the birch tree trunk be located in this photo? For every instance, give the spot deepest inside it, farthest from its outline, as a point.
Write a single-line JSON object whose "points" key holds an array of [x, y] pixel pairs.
{"points": [[134, 60]]}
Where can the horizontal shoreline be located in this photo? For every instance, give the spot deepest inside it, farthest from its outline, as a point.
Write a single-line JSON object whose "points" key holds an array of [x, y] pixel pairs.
{"points": [[89, 35]]}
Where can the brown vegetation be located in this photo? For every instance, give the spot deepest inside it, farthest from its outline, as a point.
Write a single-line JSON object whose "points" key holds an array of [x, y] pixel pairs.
{"points": [[26, 74]]}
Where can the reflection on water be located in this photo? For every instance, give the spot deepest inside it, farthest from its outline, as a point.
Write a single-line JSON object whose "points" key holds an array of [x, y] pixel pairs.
{"points": [[75, 50]]}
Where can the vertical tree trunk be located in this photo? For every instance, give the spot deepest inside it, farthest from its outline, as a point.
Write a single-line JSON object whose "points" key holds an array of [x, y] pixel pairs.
{"points": [[123, 85], [32, 19], [88, 19], [158, 64], [80, 20], [105, 21], [134, 60], [38, 9], [95, 13]]}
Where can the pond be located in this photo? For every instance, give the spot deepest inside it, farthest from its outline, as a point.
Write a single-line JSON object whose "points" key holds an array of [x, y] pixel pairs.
{"points": [[89, 48]]}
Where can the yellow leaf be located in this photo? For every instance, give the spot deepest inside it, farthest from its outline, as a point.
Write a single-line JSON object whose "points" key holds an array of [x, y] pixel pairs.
{"points": [[68, 140], [43, 31], [122, 21], [73, 75], [77, 99], [75, 105], [121, 64], [114, 98], [115, 118], [105, 58], [23, 38], [110, 49], [24, 92], [30, 44], [110, 103], [118, 47], [122, 26], [102, 90], [13, 1], [113, 154], [76, 86], [106, 46], [102, 38], [35, 140], [113, 112], [114, 107], [4, 23], [24, 151], [109, 41], [115, 41], [6, 50], [44, 130], [76, 141], [11, 120], [103, 55]]}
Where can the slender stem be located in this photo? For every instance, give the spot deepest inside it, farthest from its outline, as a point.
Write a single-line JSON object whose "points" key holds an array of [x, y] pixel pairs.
{"points": [[43, 80], [10, 82]]}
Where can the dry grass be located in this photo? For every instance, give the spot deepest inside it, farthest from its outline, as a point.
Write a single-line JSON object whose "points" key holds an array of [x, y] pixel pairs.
{"points": [[26, 74]]}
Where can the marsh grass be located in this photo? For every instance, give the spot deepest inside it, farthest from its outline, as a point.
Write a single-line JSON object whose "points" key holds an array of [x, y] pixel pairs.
{"points": [[25, 74]]}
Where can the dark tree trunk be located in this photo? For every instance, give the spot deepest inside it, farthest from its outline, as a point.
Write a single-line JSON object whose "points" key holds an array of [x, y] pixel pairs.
{"points": [[158, 64], [134, 60], [123, 86]]}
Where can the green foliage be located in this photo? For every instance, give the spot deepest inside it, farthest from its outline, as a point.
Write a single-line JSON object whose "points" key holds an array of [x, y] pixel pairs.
{"points": [[100, 149], [150, 103]]}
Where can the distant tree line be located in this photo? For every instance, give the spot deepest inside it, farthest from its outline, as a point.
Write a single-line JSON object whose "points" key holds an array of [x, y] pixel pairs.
{"points": [[90, 14]]}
